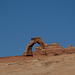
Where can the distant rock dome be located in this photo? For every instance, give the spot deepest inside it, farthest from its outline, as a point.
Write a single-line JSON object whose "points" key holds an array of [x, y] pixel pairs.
{"points": [[69, 46], [54, 44], [45, 44], [37, 47]]}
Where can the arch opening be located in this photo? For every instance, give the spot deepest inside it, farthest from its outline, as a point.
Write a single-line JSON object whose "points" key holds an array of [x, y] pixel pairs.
{"points": [[35, 46]]}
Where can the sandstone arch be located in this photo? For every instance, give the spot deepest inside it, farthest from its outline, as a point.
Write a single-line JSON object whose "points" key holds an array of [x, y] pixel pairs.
{"points": [[28, 51]]}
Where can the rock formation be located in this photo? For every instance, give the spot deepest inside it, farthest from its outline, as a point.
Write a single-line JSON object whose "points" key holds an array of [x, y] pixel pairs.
{"points": [[69, 50], [28, 51], [45, 49]]}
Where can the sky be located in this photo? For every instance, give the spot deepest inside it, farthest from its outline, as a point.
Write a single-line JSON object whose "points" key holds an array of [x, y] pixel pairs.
{"points": [[52, 20]]}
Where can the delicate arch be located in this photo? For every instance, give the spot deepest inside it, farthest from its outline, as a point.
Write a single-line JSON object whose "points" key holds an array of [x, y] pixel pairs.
{"points": [[28, 51]]}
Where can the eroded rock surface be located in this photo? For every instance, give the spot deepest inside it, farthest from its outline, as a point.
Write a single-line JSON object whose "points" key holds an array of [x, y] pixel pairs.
{"points": [[45, 49]]}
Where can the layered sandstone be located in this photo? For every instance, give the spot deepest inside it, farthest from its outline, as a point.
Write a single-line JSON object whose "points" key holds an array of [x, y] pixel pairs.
{"points": [[45, 49], [28, 51], [69, 50]]}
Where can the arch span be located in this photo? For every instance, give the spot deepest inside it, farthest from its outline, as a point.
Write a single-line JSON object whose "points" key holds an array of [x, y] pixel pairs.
{"points": [[28, 51]]}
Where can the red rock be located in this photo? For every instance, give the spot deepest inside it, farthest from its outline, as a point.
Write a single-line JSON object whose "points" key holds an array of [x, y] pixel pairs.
{"points": [[45, 49], [28, 51]]}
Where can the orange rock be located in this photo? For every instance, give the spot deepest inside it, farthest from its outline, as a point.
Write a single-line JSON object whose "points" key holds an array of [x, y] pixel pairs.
{"points": [[28, 51], [45, 49]]}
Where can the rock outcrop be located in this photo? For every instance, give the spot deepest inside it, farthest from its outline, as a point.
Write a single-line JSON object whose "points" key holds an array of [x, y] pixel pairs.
{"points": [[28, 51], [69, 50], [45, 49]]}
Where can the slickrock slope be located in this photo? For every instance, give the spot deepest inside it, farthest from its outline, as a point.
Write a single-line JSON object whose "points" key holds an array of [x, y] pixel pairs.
{"points": [[54, 65]]}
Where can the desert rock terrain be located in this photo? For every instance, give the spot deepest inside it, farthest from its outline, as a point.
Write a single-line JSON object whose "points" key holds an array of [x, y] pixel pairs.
{"points": [[45, 60], [53, 65]]}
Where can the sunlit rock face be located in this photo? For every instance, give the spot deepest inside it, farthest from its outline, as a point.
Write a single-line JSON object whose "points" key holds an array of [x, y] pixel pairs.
{"points": [[45, 49], [69, 50], [28, 51]]}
